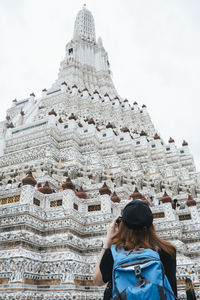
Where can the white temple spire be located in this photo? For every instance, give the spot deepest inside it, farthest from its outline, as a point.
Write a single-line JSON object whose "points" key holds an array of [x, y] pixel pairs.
{"points": [[84, 28], [86, 62]]}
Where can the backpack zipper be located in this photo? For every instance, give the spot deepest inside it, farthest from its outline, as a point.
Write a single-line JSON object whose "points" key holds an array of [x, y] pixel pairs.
{"points": [[125, 260]]}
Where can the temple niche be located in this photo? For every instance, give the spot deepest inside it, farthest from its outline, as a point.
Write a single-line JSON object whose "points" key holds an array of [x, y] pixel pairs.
{"points": [[69, 162]]}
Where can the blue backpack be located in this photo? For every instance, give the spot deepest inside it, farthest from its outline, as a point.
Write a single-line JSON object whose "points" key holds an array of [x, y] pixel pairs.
{"points": [[139, 275]]}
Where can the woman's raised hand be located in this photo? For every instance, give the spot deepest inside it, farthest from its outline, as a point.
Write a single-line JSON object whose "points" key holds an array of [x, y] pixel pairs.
{"points": [[111, 229]]}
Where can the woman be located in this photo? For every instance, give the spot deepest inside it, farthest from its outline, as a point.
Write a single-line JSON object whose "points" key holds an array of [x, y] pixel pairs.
{"points": [[189, 289], [132, 231]]}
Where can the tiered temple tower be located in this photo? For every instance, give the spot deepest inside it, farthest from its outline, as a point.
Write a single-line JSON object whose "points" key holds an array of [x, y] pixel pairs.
{"points": [[92, 151]]}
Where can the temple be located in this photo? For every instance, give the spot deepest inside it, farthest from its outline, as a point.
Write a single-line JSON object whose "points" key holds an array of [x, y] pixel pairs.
{"points": [[70, 160]]}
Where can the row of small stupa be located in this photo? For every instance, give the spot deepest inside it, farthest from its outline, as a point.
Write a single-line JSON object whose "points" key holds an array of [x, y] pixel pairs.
{"points": [[104, 190]]}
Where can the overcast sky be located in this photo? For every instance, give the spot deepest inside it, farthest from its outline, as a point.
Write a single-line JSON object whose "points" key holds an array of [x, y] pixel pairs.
{"points": [[153, 48]]}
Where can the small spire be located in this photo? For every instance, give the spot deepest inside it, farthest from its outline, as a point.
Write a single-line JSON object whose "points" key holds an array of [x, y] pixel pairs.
{"points": [[68, 185], [91, 121], [81, 193], [104, 190], [109, 125], [156, 137], [72, 117], [46, 189], [136, 194], [143, 133], [29, 179], [171, 140], [125, 129], [190, 201], [184, 143], [52, 112], [166, 198], [115, 197]]}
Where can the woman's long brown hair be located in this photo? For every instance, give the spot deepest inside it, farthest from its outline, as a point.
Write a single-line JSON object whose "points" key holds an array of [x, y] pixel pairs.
{"points": [[137, 238]]}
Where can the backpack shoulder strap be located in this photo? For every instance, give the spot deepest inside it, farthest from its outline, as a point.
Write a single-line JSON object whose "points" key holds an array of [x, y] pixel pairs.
{"points": [[114, 251], [118, 254]]}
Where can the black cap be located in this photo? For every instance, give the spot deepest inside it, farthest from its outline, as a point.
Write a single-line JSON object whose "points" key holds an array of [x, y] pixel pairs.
{"points": [[137, 215]]}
